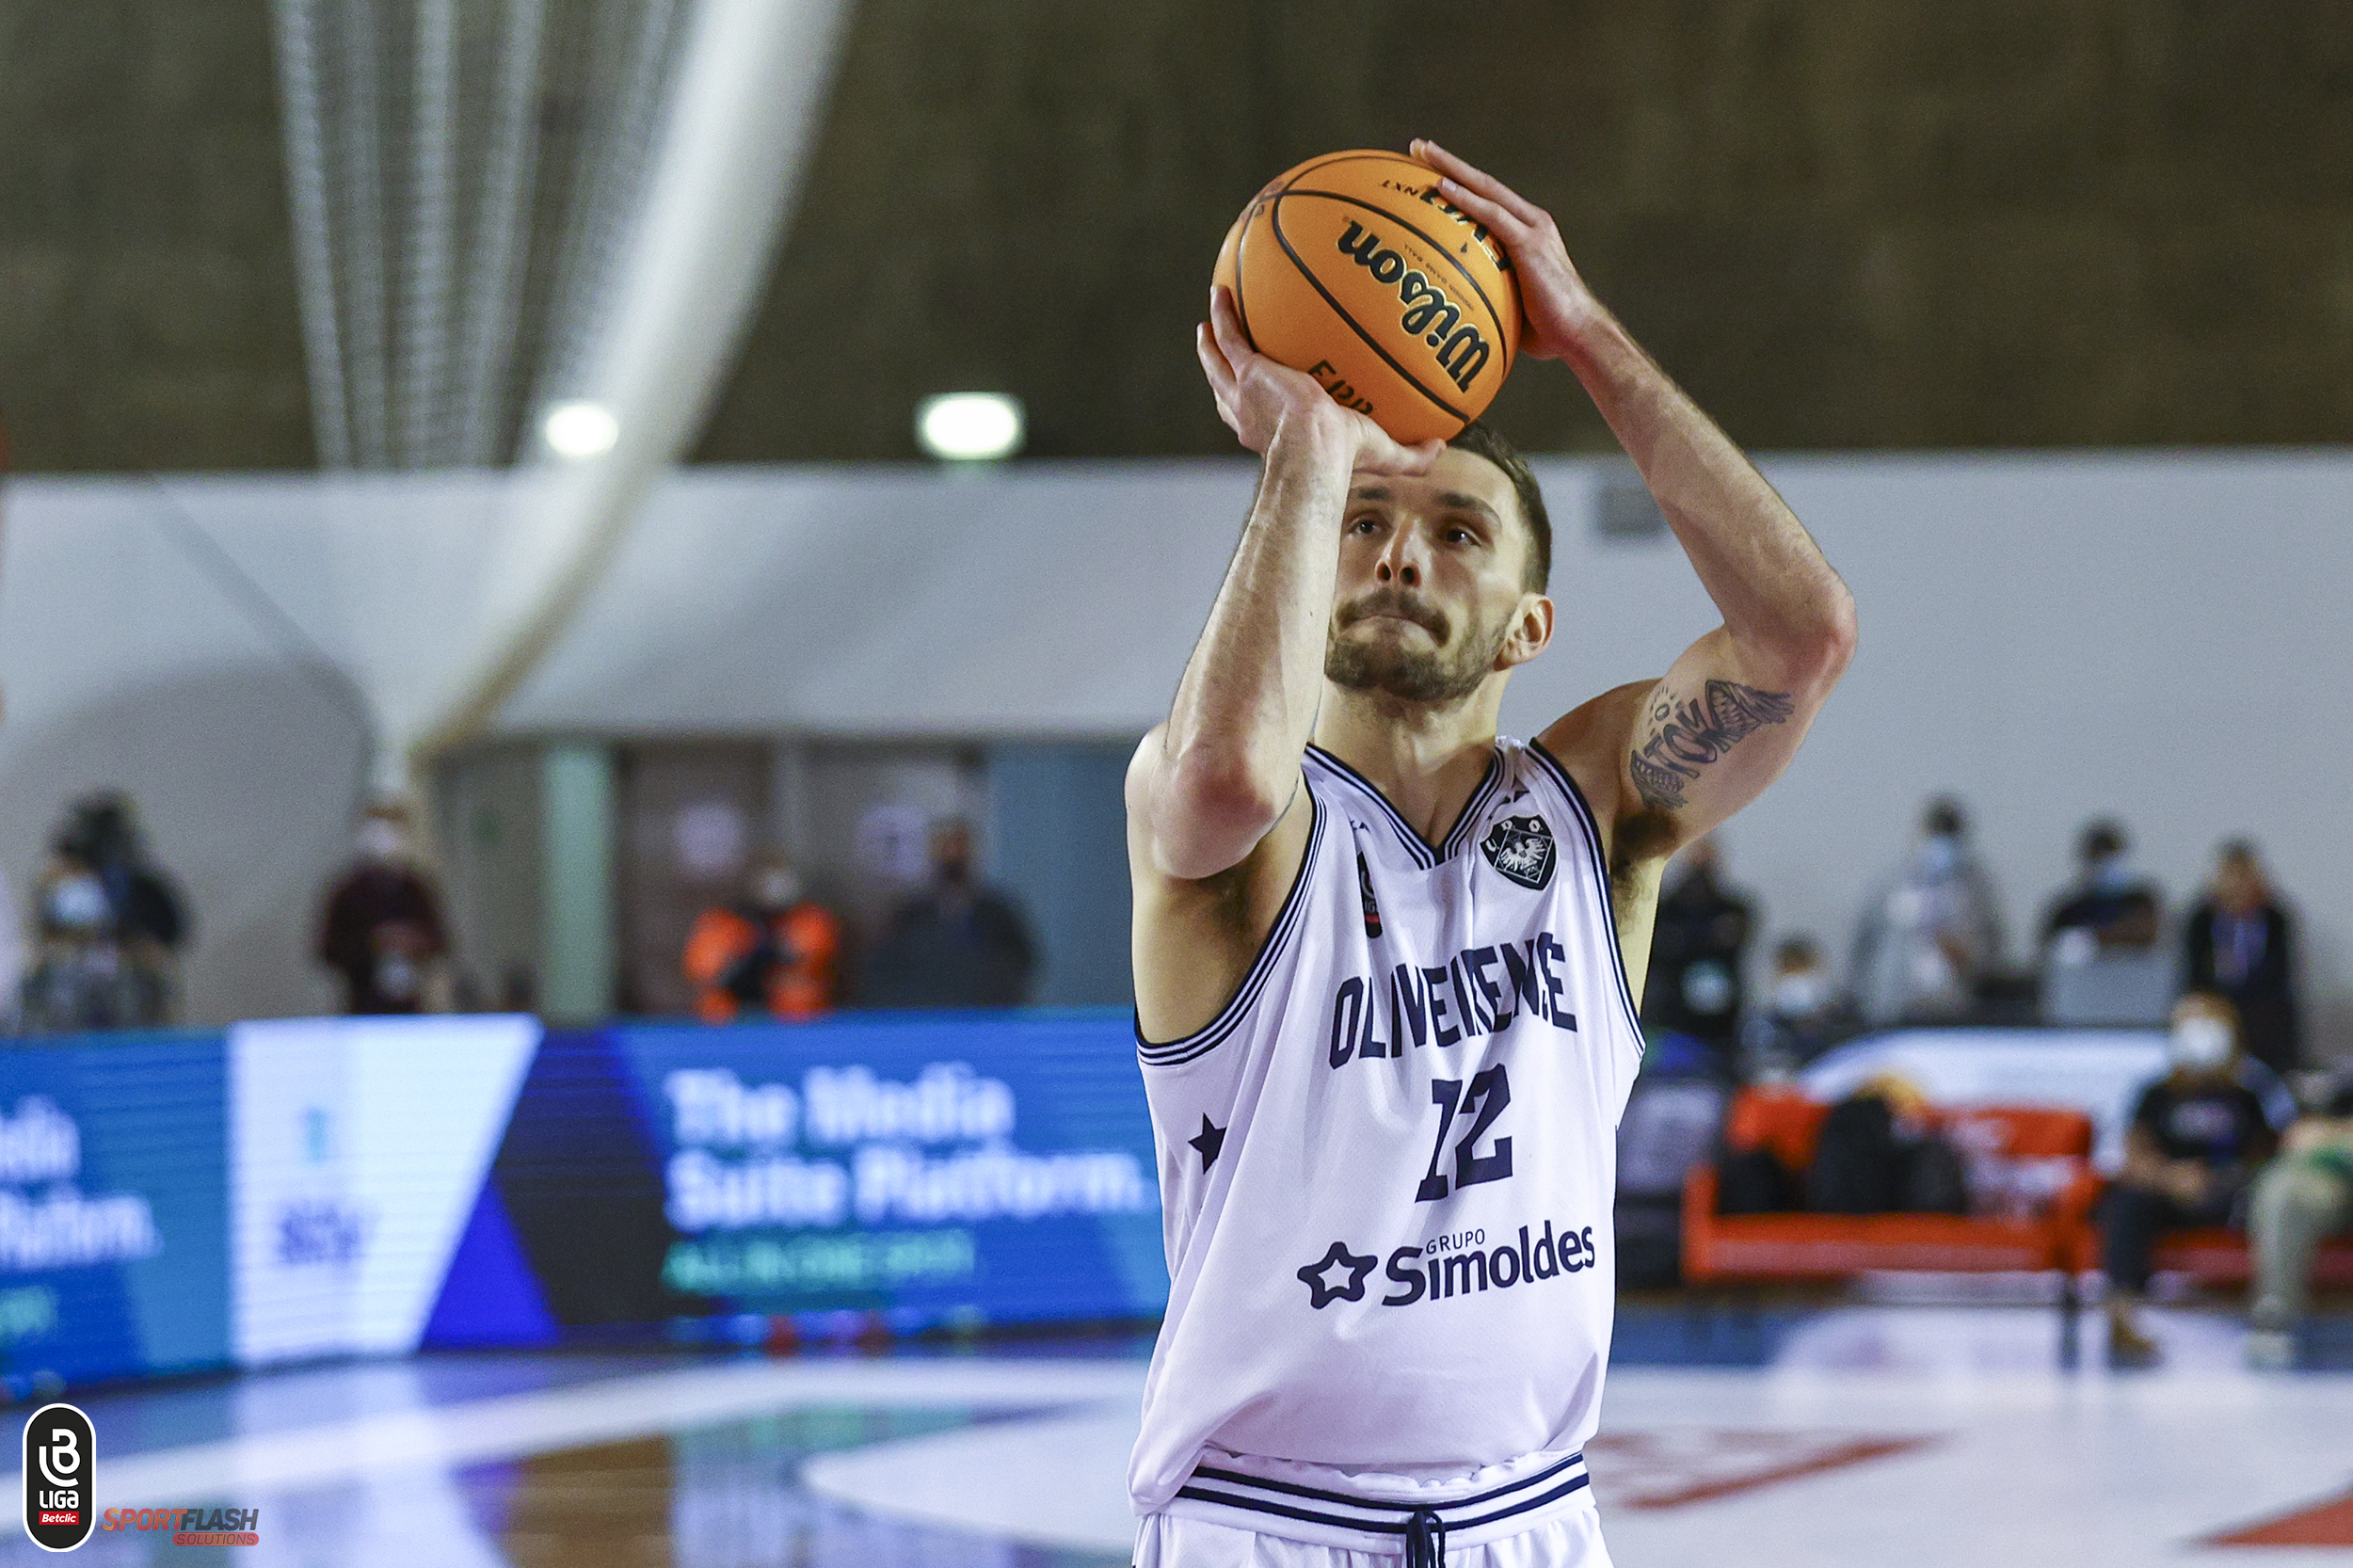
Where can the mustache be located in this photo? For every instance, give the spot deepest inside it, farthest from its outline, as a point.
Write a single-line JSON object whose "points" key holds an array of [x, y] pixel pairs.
{"points": [[1393, 602]]}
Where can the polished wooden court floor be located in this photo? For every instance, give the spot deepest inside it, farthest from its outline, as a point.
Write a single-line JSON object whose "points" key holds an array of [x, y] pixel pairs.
{"points": [[1850, 1436]]}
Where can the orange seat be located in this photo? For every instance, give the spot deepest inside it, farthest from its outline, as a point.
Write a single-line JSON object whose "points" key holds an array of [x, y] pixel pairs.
{"points": [[1831, 1246]]}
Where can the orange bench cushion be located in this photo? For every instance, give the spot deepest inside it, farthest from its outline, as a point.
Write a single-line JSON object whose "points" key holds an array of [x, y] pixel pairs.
{"points": [[1830, 1246]]}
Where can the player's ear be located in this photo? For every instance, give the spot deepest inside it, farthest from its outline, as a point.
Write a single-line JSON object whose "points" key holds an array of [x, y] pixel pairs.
{"points": [[1531, 634]]}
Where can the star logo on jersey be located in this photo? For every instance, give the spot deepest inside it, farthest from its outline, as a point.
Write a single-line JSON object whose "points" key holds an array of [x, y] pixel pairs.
{"points": [[1521, 849], [1317, 1276], [1209, 1140]]}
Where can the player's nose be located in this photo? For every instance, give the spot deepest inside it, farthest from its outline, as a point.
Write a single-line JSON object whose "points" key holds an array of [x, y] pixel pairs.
{"points": [[1399, 561]]}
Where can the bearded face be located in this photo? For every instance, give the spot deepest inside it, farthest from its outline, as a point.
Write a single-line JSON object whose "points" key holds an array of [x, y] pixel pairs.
{"points": [[1372, 648]]}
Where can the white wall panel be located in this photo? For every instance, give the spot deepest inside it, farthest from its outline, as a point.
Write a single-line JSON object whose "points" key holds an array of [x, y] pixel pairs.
{"points": [[2160, 637]]}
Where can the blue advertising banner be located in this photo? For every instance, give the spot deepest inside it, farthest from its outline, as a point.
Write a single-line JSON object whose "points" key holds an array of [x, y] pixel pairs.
{"points": [[321, 1187], [933, 1168], [114, 1235]]}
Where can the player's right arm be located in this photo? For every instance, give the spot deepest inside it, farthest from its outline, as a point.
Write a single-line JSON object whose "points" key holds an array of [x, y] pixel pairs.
{"points": [[1217, 814]]}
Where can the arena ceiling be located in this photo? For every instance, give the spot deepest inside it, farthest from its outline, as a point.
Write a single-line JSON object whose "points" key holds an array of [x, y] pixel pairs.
{"points": [[1842, 223]]}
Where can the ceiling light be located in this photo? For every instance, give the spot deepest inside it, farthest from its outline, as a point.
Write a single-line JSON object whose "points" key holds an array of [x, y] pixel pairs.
{"points": [[580, 429], [969, 427]]}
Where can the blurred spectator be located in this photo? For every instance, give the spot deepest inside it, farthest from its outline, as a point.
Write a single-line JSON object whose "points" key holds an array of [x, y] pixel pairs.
{"points": [[956, 944], [2198, 1136], [2239, 942], [775, 951], [2108, 909], [381, 930], [80, 978], [109, 923], [1803, 1014], [1696, 949], [1932, 932], [14, 960], [150, 922], [2300, 1198]]}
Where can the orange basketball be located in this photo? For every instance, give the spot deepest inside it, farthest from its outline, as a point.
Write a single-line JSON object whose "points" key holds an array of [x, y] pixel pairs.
{"points": [[1352, 268]]}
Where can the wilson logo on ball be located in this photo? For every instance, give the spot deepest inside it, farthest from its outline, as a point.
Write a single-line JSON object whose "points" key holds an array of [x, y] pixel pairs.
{"points": [[1352, 269], [1463, 353]]}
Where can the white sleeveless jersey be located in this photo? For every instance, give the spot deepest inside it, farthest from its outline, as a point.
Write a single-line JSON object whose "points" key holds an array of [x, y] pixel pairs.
{"points": [[1387, 1166]]}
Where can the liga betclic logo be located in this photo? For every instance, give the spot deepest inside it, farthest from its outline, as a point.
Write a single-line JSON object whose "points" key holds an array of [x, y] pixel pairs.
{"points": [[60, 1453]]}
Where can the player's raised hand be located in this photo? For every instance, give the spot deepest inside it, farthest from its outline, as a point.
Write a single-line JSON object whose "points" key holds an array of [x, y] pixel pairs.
{"points": [[1257, 397], [1554, 301]]}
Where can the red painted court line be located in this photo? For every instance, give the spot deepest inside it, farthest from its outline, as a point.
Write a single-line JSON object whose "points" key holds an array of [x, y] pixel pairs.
{"points": [[1834, 1457], [2330, 1524]]}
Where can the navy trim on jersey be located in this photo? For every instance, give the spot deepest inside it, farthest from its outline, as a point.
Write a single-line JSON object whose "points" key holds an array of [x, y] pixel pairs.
{"points": [[1425, 854], [1591, 825], [1174, 1053], [1453, 1514]]}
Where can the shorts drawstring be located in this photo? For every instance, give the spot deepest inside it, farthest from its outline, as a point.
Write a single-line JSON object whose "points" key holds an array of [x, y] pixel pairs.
{"points": [[1425, 1540]]}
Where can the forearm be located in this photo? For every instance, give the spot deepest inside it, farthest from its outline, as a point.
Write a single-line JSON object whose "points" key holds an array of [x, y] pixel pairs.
{"points": [[1789, 617], [1247, 701]]}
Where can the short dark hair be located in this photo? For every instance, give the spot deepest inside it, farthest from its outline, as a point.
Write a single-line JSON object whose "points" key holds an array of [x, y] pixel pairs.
{"points": [[1945, 819], [2102, 839], [1480, 441]]}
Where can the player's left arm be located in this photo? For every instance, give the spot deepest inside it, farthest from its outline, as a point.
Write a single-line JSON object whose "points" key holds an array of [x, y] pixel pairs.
{"points": [[1677, 756]]}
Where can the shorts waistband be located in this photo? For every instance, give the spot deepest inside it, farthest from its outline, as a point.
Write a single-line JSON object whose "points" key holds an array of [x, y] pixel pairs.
{"points": [[1377, 1518]]}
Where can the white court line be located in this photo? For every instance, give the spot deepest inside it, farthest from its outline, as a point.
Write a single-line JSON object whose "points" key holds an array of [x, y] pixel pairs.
{"points": [[514, 1426], [1055, 1481]]}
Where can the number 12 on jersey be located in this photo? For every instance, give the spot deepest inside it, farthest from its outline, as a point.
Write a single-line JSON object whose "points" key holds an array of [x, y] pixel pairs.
{"points": [[1490, 1091]]}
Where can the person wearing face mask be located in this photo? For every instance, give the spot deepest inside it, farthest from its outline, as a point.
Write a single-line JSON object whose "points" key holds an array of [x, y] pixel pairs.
{"points": [[2198, 1136], [958, 943], [1803, 1014], [381, 931], [82, 978], [2109, 909], [2238, 940], [773, 951], [1697, 946], [1930, 931]]}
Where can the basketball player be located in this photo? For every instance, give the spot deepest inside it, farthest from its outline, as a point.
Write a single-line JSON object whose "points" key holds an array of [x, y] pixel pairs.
{"points": [[1387, 962]]}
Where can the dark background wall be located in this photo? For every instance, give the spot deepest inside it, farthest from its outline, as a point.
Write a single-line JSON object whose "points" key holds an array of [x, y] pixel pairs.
{"points": [[1842, 223], [147, 283]]}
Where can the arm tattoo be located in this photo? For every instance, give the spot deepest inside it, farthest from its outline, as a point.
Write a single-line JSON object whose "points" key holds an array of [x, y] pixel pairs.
{"points": [[1686, 736]]}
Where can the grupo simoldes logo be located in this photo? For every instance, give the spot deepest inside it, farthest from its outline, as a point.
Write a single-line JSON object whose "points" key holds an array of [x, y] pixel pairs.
{"points": [[60, 1451]]}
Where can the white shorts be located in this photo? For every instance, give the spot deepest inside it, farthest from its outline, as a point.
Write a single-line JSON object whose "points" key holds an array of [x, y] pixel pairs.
{"points": [[1238, 1511], [1570, 1540]]}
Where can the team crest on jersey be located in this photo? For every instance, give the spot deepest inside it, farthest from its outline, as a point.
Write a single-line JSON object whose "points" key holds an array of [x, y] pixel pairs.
{"points": [[1373, 909], [1521, 849]]}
